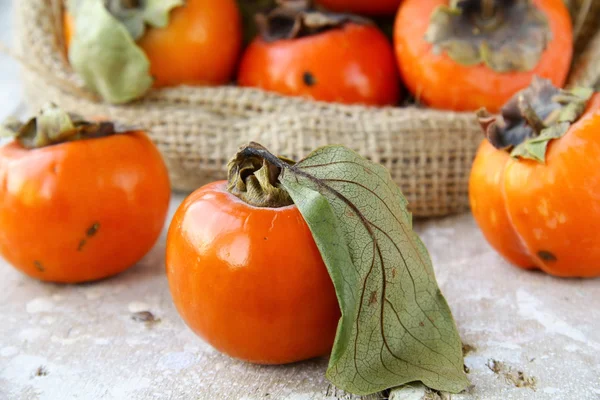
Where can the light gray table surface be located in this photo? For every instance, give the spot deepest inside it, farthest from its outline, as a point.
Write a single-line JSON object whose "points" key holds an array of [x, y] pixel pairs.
{"points": [[64, 342]]}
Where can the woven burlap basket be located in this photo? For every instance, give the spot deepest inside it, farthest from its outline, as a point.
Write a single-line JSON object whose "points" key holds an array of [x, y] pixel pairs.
{"points": [[428, 152]]}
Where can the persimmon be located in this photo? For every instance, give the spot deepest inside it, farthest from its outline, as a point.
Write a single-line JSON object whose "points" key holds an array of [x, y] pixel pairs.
{"points": [[364, 7], [200, 45], [534, 186], [478, 53], [80, 202], [321, 56], [246, 275]]}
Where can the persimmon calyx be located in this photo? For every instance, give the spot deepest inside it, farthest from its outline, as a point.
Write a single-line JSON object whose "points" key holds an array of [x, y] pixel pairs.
{"points": [[52, 126], [505, 35], [533, 117], [293, 19], [255, 179], [136, 14]]}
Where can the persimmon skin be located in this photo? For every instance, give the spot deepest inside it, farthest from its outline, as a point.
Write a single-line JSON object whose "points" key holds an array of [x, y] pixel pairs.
{"points": [[200, 46], [353, 64], [485, 185], [439, 82], [52, 196], [544, 216], [364, 7], [249, 280]]}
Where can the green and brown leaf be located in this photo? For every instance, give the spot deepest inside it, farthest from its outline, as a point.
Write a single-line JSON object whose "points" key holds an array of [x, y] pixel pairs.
{"points": [[396, 326], [104, 54]]}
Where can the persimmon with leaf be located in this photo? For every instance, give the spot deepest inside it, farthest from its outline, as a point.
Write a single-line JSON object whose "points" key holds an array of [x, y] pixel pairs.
{"points": [[287, 261], [321, 56], [121, 48], [467, 54], [81, 200], [534, 186]]}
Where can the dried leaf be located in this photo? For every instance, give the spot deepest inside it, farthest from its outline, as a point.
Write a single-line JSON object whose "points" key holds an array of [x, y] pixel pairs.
{"points": [[52, 125], [396, 326], [295, 19], [533, 117], [513, 39], [104, 54]]}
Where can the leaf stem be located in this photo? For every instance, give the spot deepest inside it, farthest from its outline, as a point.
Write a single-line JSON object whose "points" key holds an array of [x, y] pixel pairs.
{"points": [[256, 150], [254, 177]]}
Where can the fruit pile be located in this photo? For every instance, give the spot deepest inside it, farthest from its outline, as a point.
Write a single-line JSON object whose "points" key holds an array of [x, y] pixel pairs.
{"points": [[452, 55]]}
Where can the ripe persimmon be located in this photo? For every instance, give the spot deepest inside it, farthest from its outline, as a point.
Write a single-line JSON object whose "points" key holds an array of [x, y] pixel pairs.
{"points": [[199, 46], [246, 275], [534, 184], [79, 202], [480, 52], [321, 56]]}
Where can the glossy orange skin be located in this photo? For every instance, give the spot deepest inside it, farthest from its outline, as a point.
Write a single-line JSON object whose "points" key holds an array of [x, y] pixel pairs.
{"points": [[50, 197], [353, 64], [524, 207], [439, 82], [200, 45], [249, 280], [365, 7]]}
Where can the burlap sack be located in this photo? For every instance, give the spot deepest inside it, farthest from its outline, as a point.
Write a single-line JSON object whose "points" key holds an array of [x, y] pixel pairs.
{"points": [[428, 152]]}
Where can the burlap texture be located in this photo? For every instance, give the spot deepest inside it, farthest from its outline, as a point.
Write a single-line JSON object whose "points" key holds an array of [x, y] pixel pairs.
{"points": [[197, 129]]}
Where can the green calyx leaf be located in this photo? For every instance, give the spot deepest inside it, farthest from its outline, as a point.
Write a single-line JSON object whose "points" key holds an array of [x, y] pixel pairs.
{"points": [[396, 326], [105, 55], [135, 14], [503, 35], [53, 126], [533, 117]]}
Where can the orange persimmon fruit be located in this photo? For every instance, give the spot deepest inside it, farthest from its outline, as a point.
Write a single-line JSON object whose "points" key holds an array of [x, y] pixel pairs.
{"points": [[84, 209], [338, 58], [486, 53], [246, 275], [199, 46], [539, 208]]}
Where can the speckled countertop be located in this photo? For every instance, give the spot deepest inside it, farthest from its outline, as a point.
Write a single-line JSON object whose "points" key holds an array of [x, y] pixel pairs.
{"points": [[530, 336]]}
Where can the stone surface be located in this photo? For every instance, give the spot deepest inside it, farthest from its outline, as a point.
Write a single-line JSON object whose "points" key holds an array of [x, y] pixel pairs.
{"points": [[81, 342]]}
